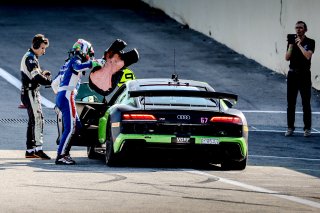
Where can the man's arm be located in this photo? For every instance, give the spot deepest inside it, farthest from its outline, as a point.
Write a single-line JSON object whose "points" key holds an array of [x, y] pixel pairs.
{"points": [[306, 53], [79, 67], [41, 79], [289, 51], [36, 74]]}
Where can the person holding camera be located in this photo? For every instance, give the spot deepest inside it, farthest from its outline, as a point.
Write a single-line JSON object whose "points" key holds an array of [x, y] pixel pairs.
{"points": [[114, 70], [299, 52], [32, 77]]}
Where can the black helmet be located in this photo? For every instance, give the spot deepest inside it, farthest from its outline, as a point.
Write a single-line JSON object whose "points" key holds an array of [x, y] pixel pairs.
{"points": [[130, 57], [117, 46]]}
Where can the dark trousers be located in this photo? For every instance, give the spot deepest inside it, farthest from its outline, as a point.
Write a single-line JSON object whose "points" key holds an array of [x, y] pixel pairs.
{"points": [[299, 82], [31, 99]]}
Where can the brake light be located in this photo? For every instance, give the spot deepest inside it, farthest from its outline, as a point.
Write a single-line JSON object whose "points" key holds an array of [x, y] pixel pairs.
{"points": [[146, 117], [228, 119]]}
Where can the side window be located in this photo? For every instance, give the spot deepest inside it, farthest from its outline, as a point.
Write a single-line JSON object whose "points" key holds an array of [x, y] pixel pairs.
{"points": [[124, 99], [129, 101]]}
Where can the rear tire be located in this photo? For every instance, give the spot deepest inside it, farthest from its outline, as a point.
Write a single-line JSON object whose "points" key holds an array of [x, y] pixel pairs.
{"points": [[234, 165], [92, 153], [111, 158]]}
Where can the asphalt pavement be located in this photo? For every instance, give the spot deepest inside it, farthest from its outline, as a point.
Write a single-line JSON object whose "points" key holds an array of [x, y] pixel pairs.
{"points": [[165, 47]]}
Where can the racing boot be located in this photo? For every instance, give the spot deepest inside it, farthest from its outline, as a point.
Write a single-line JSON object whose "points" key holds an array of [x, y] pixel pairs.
{"points": [[64, 160], [30, 154], [39, 153]]}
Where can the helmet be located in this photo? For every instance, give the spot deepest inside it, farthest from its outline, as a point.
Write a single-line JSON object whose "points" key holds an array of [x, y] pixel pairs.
{"points": [[130, 57], [83, 48]]}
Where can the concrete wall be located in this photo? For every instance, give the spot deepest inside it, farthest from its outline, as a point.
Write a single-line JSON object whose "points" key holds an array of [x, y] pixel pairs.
{"points": [[254, 28]]}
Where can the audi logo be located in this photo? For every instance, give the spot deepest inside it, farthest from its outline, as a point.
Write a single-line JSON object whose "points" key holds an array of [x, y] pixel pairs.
{"points": [[183, 117]]}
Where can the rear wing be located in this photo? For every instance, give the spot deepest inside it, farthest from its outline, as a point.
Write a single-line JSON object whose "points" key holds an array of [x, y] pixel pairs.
{"points": [[184, 93]]}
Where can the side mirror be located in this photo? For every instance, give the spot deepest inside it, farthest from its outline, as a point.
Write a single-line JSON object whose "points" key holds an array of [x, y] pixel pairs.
{"points": [[90, 99]]}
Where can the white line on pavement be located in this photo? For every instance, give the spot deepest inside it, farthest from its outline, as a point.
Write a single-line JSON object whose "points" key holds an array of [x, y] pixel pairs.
{"points": [[278, 157], [274, 112], [17, 83], [280, 131], [255, 129], [259, 189], [315, 130]]}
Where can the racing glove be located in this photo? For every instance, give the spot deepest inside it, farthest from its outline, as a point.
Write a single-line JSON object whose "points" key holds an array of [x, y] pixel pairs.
{"points": [[47, 74], [95, 63]]}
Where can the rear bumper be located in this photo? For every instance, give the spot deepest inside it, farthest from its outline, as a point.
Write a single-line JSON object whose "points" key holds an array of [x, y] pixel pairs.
{"points": [[227, 148]]}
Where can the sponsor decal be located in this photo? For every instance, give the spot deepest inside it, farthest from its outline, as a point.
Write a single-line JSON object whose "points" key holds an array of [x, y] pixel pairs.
{"points": [[209, 141], [116, 124], [182, 140]]}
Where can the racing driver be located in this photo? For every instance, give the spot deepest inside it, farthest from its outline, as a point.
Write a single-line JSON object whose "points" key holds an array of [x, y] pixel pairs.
{"points": [[78, 62], [32, 77]]}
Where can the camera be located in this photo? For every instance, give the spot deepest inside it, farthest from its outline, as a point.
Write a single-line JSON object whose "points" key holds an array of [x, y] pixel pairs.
{"points": [[291, 38]]}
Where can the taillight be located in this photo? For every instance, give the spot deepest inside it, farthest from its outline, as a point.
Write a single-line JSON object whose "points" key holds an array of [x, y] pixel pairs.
{"points": [[145, 117], [227, 119]]}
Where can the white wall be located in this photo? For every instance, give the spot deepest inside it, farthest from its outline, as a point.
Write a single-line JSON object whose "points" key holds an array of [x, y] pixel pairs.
{"points": [[254, 28]]}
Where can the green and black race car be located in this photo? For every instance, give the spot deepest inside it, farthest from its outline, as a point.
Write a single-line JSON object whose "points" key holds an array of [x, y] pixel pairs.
{"points": [[165, 115]]}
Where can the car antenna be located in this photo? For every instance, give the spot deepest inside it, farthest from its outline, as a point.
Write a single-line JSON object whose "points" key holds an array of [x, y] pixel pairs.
{"points": [[174, 76]]}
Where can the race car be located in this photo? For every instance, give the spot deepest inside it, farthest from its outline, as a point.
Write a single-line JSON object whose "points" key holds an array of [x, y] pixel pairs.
{"points": [[163, 115]]}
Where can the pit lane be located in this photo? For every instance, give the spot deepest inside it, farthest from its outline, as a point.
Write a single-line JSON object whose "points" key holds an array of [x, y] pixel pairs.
{"points": [[282, 173]]}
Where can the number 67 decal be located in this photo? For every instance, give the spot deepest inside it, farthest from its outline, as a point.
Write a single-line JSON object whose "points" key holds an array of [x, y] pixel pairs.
{"points": [[204, 120]]}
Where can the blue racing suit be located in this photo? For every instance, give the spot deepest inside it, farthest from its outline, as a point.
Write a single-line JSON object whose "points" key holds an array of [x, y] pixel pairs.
{"points": [[65, 99]]}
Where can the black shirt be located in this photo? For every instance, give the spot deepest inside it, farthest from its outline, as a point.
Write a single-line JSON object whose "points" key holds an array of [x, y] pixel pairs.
{"points": [[297, 59], [115, 79]]}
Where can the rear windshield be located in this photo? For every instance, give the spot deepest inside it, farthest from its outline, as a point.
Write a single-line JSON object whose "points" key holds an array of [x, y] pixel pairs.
{"points": [[178, 101]]}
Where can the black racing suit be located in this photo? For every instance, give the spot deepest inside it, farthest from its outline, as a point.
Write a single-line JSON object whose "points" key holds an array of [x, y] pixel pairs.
{"points": [[32, 77], [299, 80]]}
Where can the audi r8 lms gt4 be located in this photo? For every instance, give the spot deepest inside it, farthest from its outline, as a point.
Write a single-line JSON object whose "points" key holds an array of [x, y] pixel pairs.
{"points": [[165, 115]]}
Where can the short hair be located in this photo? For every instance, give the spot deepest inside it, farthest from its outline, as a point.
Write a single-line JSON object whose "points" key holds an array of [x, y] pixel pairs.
{"points": [[38, 40], [302, 22]]}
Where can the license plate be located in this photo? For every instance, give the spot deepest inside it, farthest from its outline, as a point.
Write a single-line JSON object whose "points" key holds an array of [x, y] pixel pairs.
{"points": [[182, 140], [209, 141]]}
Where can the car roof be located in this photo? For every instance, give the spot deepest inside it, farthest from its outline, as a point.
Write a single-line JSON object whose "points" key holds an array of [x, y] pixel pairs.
{"points": [[136, 84]]}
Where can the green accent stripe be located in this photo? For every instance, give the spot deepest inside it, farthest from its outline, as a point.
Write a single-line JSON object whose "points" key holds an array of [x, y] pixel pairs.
{"points": [[167, 139], [102, 129]]}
